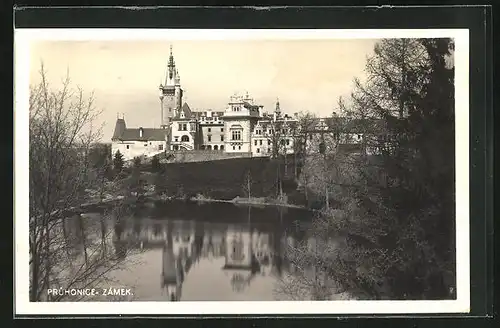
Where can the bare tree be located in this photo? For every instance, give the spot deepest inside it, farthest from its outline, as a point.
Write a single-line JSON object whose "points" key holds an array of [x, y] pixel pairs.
{"points": [[61, 133], [300, 132], [396, 234], [247, 184]]}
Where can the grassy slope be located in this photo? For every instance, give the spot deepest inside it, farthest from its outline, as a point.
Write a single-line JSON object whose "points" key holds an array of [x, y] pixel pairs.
{"points": [[223, 179]]}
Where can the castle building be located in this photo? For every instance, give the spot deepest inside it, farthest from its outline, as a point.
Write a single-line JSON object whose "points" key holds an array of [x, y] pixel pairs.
{"points": [[170, 93], [137, 142], [183, 129], [240, 117], [211, 135], [242, 128]]}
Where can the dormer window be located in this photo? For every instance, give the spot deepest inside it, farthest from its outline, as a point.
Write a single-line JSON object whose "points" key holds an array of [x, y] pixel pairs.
{"points": [[141, 132]]}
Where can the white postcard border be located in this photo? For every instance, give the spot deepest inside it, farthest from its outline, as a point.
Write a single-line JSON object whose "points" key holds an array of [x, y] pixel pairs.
{"points": [[23, 38]]}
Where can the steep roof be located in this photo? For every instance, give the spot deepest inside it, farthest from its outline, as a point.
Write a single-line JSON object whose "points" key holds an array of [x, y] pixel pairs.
{"points": [[148, 134], [186, 110], [120, 127]]}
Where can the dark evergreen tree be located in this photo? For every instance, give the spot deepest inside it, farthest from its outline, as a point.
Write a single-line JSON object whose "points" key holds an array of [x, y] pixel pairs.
{"points": [[397, 209], [155, 164], [118, 161]]}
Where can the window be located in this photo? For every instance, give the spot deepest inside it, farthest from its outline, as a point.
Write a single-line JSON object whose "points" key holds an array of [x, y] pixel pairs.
{"points": [[160, 147], [221, 129], [128, 146], [236, 135], [180, 126], [145, 145], [221, 138], [209, 138], [209, 147], [150, 143], [288, 142], [268, 142], [255, 142], [268, 150], [216, 147], [260, 141], [258, 150], [176, 139], [282, 142], [209, 130], [234, 147], [222, 147], [185, 138], [239, 147]]}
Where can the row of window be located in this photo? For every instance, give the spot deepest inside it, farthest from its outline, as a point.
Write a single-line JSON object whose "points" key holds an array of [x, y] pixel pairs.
{"points": [[160, 146], [209, 147], [270, 131], [236, 135], [210, 129], [209, 118], [209, 138], [283, 142], [183, 139]]}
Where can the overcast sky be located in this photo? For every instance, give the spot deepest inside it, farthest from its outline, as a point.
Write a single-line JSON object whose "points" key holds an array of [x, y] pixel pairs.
{"points": [[307, 75]]}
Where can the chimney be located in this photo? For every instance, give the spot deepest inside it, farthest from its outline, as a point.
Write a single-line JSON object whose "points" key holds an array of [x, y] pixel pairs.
{"points": [[141, 132]]}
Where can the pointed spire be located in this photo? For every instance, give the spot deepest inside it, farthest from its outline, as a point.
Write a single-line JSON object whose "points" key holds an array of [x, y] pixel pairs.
{"points": [[277, 104], [171, 62]]}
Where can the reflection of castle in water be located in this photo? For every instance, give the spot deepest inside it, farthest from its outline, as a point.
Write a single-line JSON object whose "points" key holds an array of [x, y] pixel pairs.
{"points": [[247, 251]]}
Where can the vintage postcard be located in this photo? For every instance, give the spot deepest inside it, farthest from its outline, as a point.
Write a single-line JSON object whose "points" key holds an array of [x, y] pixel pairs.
{"points": [[241, 171]]}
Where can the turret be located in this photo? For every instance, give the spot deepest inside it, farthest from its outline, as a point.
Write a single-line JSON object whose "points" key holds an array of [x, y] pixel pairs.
{"points": [[170, 92]]}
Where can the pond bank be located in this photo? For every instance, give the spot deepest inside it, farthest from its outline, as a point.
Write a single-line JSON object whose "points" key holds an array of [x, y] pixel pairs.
{"points": [[257, 202], [152, 197]]}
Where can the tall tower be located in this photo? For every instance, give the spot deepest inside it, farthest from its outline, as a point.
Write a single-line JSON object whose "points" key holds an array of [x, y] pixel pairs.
{"points": [[170, 92], [278, 109]]}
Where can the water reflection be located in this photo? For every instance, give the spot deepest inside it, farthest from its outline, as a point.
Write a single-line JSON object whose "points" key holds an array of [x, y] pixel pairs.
{"points": [[237, 255]]}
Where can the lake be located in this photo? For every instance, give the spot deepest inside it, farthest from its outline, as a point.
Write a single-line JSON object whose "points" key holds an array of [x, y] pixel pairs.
{"points": [[187, 251]]}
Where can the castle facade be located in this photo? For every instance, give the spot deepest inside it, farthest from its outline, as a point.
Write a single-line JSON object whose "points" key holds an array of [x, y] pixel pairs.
{"points": [[241, 128]]}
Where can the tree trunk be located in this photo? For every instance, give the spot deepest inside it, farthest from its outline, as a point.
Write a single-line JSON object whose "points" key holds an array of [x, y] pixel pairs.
{"points": [[34, 273], [295, 165], [46, 284]]}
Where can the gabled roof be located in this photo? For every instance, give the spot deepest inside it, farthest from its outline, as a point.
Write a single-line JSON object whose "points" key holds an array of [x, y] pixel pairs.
{"points": [[120, 127], [186, 110], [148, 134]]}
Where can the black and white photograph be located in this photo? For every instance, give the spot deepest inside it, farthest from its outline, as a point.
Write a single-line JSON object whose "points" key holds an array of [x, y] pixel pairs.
{"points": [[268, 167]]}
